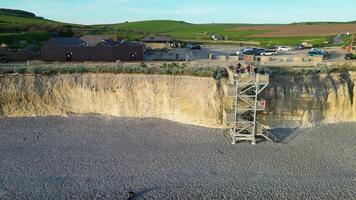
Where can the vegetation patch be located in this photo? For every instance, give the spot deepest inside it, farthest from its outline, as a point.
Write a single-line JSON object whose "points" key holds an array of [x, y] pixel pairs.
{"points": [[165, 69], [277, 71]]}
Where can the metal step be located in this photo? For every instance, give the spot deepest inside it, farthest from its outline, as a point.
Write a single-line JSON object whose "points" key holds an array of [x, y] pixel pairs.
{"points": [[270, 137], [230, 89], [242, 107], [260, 131], [230, 118]]}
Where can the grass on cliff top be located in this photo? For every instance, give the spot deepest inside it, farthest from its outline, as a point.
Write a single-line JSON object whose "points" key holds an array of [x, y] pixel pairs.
{"points": [[166, 69], [294, 71]]}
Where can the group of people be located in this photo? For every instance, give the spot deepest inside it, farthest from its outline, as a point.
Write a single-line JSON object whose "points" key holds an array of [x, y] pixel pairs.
{"points": [[247, 69]]}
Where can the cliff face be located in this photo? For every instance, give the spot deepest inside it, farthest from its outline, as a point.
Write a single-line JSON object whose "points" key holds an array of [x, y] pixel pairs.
{"points": [[183, 99], [310, 100], [291, 100]]}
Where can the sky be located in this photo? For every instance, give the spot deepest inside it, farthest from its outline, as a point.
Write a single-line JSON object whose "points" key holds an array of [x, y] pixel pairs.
{"points": [[194, 11]]}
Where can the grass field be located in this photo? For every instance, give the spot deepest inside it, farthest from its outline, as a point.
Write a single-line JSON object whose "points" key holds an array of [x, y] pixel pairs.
{"points": [[299, 30], [14, 30], [200, 32], [185, 30]]}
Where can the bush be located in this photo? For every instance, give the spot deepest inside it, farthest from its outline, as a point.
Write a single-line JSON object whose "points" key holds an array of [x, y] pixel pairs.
{"points": [[72, 70], [20, 70], [143, 65], [65, 31], [42, 70], [220, 73]]}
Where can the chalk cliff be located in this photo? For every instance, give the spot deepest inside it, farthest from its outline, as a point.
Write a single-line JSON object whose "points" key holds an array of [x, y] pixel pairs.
{"points": [[291, 100]]}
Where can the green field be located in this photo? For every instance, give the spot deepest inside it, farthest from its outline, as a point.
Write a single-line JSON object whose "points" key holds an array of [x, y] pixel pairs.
{"points": [[18, 30], [203, 32]]}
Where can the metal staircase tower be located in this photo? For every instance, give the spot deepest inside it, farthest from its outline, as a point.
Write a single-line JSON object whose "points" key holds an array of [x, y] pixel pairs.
{"points": [[240, 113]]}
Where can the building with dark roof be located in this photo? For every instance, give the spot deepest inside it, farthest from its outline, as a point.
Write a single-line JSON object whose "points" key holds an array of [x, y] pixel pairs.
{"points": [[75, 49]]}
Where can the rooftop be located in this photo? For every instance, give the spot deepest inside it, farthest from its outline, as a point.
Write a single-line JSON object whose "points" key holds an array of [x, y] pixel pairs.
{"points": [[93, 40], [69, 41]]}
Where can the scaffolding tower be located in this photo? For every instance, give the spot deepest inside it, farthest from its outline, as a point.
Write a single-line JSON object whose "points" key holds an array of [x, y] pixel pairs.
{"points": [[244, 104]]}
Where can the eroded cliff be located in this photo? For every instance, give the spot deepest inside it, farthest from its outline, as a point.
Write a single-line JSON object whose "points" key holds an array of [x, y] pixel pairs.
{"points": [[183, 99], [291, 100], [309, 100]]}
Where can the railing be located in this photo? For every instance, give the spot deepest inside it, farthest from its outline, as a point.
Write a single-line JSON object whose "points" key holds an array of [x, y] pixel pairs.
{"points": [[270, 137], [243, 90]]}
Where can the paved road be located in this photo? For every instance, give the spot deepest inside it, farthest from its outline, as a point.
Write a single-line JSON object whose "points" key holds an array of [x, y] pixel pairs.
{"points": [[96, 157], [336, 53]]}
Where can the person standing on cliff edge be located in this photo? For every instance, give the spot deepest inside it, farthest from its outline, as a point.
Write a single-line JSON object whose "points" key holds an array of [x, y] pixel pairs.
{"points": [[248, 68]]}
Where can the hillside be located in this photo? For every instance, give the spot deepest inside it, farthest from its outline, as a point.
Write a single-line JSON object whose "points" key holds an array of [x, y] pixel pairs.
{"points": [[19, 13], [18, 21], [20, 28]]}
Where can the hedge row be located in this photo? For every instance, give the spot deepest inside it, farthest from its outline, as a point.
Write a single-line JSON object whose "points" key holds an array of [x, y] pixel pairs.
{"points": [[169, 69]]}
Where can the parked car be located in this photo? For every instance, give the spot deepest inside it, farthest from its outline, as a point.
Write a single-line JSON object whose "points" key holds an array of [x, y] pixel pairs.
{"points": [[284, 48], [3, 59], [269, 53], [240, 52], [196, 47], [299, 47], [248, 52], [3, 55], [259, 51], [319, 52], [253, 52], [316, 49], [350, 56], [7, 55], [217, 37], [193, 46]]}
